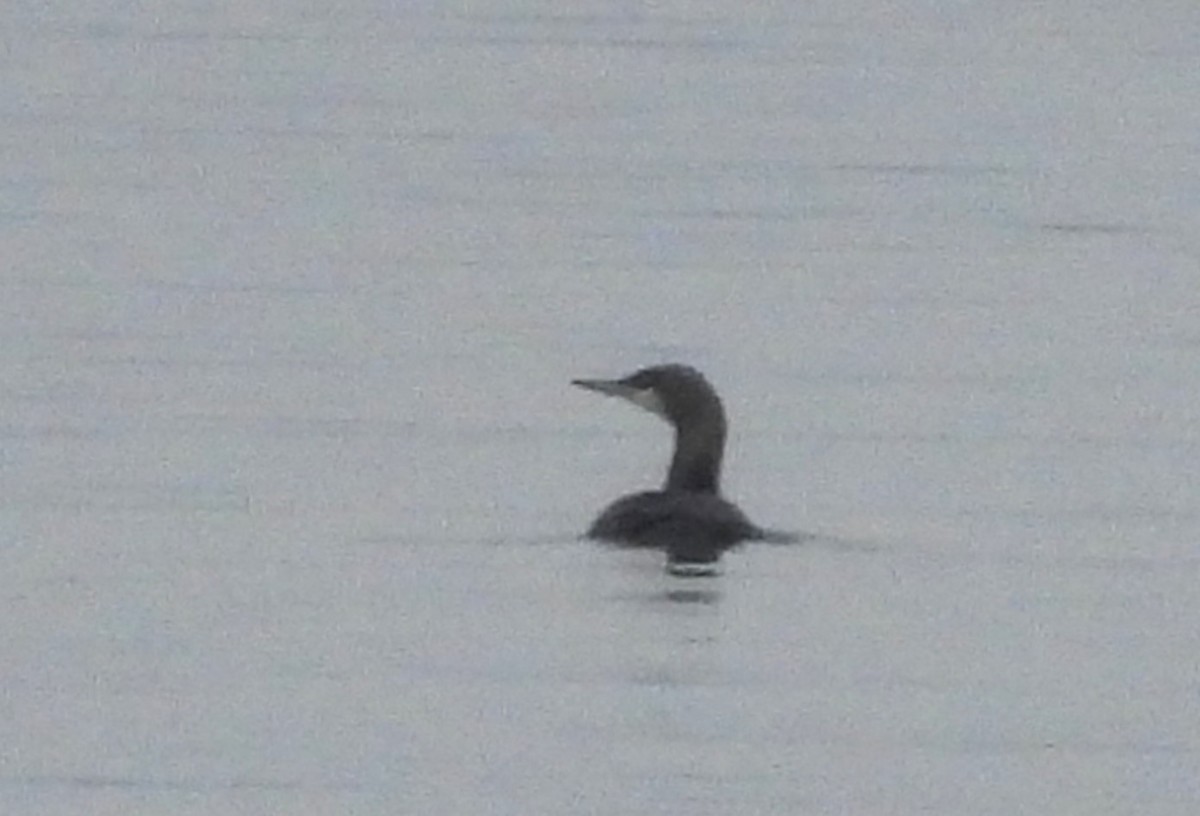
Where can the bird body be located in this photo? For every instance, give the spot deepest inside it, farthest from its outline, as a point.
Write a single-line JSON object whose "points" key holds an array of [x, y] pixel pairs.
{"points": [[688, 518]]}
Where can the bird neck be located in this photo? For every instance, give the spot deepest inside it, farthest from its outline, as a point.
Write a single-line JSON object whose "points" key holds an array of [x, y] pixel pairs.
{"points": [[699, 448]]}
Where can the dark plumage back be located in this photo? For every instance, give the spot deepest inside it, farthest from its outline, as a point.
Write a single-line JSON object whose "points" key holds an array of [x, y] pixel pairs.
{"points": [[688, 518]]}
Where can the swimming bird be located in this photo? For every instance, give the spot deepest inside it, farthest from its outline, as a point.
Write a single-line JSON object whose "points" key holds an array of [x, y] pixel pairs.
{"points": [[688, 517]]}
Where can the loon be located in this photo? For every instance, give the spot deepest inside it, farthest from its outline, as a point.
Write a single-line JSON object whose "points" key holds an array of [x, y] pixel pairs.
{"points": [[687, 518]]}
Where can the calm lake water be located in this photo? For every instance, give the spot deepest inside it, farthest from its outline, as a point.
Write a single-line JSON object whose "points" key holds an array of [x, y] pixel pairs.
{"points": [[293, 476]]}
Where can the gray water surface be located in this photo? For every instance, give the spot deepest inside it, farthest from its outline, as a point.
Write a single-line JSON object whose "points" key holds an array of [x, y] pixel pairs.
{"points": [[292, 474]]}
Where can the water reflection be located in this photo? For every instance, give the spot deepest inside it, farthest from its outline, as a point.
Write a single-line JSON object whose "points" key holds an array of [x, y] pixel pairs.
{"points": [[682, 595], [646, 583], [705, 596]]}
